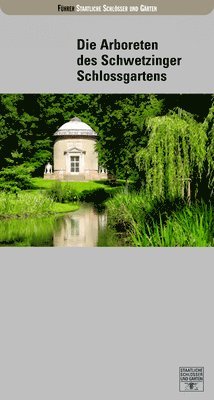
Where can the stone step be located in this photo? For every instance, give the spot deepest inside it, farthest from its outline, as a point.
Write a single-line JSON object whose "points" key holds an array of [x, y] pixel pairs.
{"points": [[74, 178]]}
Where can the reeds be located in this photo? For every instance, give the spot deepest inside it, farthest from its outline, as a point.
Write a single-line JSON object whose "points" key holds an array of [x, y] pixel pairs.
{"points": [[24, 204], [161, 225]]}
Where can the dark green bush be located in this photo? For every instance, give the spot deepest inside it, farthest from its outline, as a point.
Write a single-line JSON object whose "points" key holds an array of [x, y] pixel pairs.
{"points": [[96, 195], [14, 178], [62, 193]]}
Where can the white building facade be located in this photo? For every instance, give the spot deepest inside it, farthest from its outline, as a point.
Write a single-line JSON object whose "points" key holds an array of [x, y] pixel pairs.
{"points": [[74, 154]]}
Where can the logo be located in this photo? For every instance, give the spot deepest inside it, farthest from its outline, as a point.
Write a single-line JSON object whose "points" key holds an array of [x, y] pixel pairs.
{"points": [[191, 379]]}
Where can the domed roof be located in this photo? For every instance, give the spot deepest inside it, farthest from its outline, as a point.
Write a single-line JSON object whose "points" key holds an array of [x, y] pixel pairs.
{"points": [[75, 127]]}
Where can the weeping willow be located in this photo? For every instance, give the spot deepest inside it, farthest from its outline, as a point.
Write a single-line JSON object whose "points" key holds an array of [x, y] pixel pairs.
{"points": [[209, 127], [175, 154]]}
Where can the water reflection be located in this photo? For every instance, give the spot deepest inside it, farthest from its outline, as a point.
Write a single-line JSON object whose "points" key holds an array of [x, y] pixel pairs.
{"points": [[86, 227], [79, 229]]}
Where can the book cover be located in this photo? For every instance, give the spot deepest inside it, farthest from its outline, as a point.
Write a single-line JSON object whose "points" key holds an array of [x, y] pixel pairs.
{"points": [[106, 199]]}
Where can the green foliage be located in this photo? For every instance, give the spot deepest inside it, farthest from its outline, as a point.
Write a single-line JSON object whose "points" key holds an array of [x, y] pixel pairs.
{"points": [[63, 193], [209, 127], [125, 208], [40, 183], [64, 208], [191, 227], [148, 223], [31, 204], [121, 127], [28, 121], [97, 195], [175, 155], [15, 178], [24, 203]]}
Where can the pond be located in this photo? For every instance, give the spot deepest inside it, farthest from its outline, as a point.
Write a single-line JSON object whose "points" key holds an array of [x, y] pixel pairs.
{"points": [[86, 227]]}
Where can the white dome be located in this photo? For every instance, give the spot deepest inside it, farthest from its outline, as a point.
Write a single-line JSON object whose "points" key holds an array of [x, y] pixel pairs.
{"points": [[75, 127]]}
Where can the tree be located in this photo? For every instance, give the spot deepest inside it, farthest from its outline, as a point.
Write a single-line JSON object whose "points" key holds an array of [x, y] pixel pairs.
{"points": [[28, 122], [209, 127], [13, 179], [174, 158], [121, 125]]}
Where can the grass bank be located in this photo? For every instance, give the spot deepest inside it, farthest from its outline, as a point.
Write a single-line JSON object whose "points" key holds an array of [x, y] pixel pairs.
{"points": [[63, 192], [26, 204], [145, 223], [49, 197], [40, 183]]}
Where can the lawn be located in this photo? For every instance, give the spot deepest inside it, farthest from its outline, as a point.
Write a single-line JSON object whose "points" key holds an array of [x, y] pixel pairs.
{"points": [[49, 197], [40, 183], [66, 192]]}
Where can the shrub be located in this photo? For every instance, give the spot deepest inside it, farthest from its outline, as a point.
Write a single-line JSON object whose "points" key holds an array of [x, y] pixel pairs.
{"points": [[94, 195], [63, 193], [14, 178]]}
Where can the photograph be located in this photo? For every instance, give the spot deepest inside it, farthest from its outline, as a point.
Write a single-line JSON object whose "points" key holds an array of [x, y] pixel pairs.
{"points": [[106, 170]]}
